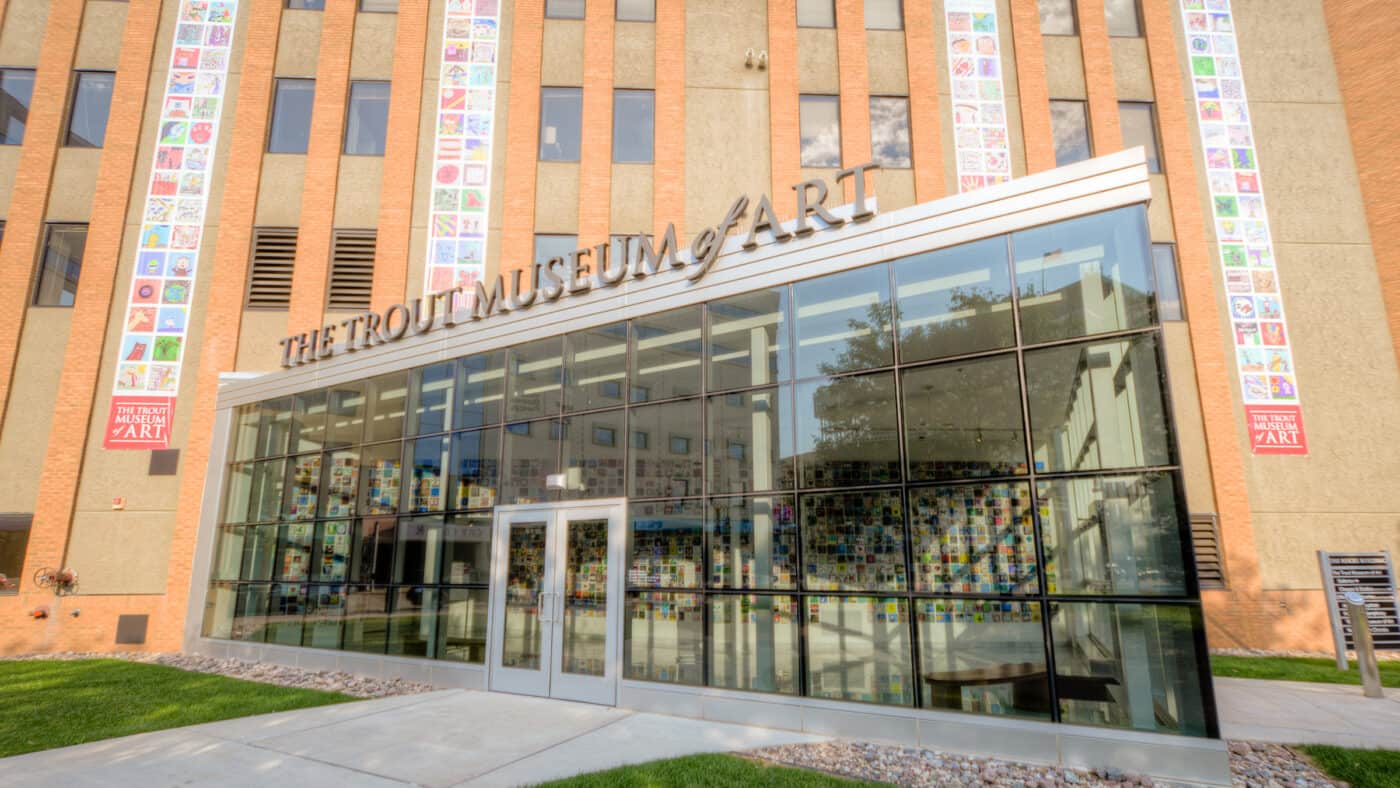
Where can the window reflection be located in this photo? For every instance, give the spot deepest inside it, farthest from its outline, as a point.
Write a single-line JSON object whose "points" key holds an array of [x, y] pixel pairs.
{"points": [[843, 322], [1097, 405], [749, 340], [595, 458], [848, 431], [480, 389], [325, 610], [388, 399], [752, 542], [381, 472], [984, 656], [536, 379], [431, 402], [666, 350], [963, 419], [475, 469], [858, 649], [753, 642], [954, 301], [1084, 276], [529, 453], [973, 539], [308, 421], [667, 545], [663, 637], [466, 549], [414, 622], [666, 449], [366, 619], [750, 441], [427, 474], [462, 619], [596, 368]]}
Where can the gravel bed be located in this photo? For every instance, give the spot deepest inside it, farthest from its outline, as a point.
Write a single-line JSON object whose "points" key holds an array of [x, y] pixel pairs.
{"points": [[1252, 765], [281, 675]]}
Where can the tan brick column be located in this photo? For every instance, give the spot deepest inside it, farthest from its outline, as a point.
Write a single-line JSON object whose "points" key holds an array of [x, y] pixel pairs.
{"points": [[595, 155], [82, 358], [1031, 86], [1098, 77], [322, 167], [668, 173], [1214, 368], [24, 228], [922, 51], [223, 313], [853, 68], [785, 146], [391, 247], [522, 136]]}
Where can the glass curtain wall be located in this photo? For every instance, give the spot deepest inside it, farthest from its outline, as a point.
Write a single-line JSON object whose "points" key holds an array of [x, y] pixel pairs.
{"points": [[946, 481]]}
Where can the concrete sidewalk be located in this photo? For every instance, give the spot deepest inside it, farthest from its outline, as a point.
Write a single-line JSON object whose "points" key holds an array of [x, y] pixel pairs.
{"points": [[453, 737], [1295, 712]]}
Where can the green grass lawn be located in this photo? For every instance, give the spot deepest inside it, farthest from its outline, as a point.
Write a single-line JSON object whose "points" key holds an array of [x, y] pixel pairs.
{"points": [[1361, 768], [704, 771], [46, 704], [1298, 669]]}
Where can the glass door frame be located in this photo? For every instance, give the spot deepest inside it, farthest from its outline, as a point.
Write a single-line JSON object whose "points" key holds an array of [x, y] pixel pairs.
{"points": [[549, 679]]}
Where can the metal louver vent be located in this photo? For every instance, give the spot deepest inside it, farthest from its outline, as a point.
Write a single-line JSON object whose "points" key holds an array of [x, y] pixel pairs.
{"points": [[352, 270], [270, 280], [1210, 563]]}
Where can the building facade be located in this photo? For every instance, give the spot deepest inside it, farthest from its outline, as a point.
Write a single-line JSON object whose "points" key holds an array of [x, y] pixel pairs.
{"points": [[190, 188]]}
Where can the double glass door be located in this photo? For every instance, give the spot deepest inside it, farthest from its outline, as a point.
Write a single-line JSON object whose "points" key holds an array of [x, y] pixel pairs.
{"points": [[557, 600]]}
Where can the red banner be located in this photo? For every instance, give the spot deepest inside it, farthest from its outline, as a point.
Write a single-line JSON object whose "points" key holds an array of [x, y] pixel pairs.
{"points": [[1276, 429], [139, 423]]}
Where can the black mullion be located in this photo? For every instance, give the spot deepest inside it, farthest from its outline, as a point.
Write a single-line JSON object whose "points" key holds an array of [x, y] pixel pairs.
{"points": [[901, 439]]}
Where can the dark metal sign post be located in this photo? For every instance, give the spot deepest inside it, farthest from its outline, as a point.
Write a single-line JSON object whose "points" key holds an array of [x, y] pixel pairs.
{"points": [[1372, 576]]}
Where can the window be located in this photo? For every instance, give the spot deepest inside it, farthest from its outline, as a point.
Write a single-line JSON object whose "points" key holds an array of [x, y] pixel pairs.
{"points": [[307, 5], [1057, 18], [548, 247], [634, 124], [636, 10], [1139, 124], [270, 275], [291, 116], [352, 270], [60, 265], [1168, 284], [889, 132], [1070, 125], [379, 6], [953, 301], [16, 88], [563, 9], [1122, 16], [14, 538], [87, 118], [884, 15], [561, 116], [819, 119], [367, 122], [816, 13]]}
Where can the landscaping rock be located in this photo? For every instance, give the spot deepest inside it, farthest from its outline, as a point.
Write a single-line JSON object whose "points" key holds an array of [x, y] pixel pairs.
{"points": [[267, 673], [1252, 765]]}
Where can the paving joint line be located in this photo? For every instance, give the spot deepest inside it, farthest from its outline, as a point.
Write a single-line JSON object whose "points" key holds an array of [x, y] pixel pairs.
{"points": [[367, 773], [364, 716], [542, 750]]}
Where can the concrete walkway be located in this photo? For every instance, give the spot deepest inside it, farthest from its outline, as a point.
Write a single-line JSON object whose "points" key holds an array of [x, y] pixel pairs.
{"points": [[453, 737], [1295, 712]]}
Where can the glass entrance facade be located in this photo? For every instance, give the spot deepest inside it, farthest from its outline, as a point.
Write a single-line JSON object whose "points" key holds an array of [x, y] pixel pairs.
{"points": [[946, 481]]}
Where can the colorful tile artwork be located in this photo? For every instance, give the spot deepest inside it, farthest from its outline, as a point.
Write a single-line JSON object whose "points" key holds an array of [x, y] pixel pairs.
{"points": [[466, 108], [156, 322], [979, 99], [167, 256], [1262, 346]]}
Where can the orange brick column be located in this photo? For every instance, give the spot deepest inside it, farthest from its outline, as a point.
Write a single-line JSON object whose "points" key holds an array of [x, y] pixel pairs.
{"points": [[922, 51], [595, 157], [82, 358], [522, 137], [400, 157], [668, 173], [1032, 88], [785, 145], [223, 312], [24, 228], [322, 167], [1098, 77], [853, 68]]}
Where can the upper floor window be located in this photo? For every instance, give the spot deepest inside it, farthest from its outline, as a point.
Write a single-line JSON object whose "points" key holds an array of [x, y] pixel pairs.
{"points": [[634, 125], [816, 13], [379, 6], [1070, 125], [57, 282], [563, 9], [1057, 18], [1122, 16], [889, 131], [16, 88], [1168, 283], [367, 122], [291, 116], [307, 5], [636, 10], [1139, 124], [551, 245], [87, 117], [884, 15], [561, 118], [819, 123], [14, 538]]}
